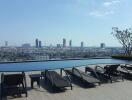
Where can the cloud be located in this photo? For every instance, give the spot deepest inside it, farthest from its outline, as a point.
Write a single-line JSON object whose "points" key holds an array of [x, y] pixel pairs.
{"points": [[110, 3], [105, 9], [96, 8], [107, 3], [101, 14], [116, 1]]}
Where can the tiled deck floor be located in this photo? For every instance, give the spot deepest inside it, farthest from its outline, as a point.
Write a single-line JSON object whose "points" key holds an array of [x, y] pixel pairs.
{"points": [[115, 91]]}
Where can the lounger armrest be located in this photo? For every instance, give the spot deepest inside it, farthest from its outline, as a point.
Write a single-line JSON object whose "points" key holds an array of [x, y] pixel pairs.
{"points": [[93, 72], [67, 75], [127, 65], [124, 68], [77, 71], [104, 71], [69, 79], [88, 69], [52, 81], [99, 67]]}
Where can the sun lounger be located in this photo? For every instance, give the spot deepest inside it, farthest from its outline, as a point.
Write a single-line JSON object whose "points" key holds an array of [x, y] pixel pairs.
{"points": [[112, 71], [13, 85], [91, 72], [127, 66], [127, 73], [82, 76], [109, 72], [57, 80], [102, 76]]}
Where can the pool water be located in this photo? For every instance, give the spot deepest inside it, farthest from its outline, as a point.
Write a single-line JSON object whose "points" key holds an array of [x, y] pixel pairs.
{"points": [[36, 66]]}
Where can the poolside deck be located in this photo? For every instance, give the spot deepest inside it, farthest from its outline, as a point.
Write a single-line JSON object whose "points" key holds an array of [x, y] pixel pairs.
{"points": [[115, 91]]}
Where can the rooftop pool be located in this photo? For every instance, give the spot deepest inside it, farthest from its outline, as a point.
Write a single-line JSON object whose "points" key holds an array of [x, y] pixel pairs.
{"points": [[37, 66]]}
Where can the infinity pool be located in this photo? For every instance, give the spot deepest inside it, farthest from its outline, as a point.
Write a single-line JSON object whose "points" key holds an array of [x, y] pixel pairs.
{"points": [[37, 66]]}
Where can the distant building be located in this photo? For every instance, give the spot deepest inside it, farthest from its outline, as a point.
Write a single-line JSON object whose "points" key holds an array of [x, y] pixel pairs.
{"points": [[64, 42], [82, 44], [26, 45], [102, 45], [40, 44], [6, 43], [58, 45], [36, 43], [70, 43]]}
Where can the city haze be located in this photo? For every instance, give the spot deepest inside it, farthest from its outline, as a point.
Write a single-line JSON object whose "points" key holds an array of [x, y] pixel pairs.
{"points": [[90, 21]]}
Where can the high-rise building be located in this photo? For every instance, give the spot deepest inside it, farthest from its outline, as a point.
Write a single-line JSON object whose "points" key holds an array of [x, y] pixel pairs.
{"points": [[26, 45], [70, 43], [58, 45], [64, 42], [82, 44], [36, 43], [102, 45], [40, 44], [6, 43]]}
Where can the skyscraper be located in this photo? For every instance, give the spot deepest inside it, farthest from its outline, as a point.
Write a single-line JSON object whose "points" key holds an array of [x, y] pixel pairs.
{"points": [[64, 42], [82, 44], [6, 43], [36, 43], [70, 43], [40, 44], [102, 45], [58, 45]]}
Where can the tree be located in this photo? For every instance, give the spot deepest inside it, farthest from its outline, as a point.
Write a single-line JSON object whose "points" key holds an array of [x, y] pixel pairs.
{"points": [[125, 39]]}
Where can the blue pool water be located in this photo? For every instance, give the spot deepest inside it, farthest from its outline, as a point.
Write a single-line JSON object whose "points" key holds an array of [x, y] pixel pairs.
{"points": [[37, 66]]}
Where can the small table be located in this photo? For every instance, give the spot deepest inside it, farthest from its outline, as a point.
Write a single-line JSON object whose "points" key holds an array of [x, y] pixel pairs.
{"points": [[35, 78]]}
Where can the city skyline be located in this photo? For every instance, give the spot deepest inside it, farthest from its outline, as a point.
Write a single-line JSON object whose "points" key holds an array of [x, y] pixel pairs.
{"points": [[38, 44], [90, 21]]}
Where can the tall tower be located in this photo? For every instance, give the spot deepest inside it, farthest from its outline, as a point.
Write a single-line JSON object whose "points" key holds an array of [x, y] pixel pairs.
{"points": [[6, 43], [36, 43], [40, 44], [64, 42], [102, 45], [82, 44], [70, 43]]}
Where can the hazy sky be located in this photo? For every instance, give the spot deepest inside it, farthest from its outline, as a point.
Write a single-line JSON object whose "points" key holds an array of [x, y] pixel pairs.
{"points": [[91, 21]]}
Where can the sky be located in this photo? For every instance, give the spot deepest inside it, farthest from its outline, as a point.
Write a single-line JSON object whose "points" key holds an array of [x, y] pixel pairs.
{"points": [[91, 21]]}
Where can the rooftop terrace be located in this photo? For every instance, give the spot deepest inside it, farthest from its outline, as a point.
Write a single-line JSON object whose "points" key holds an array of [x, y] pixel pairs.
{"points": [[115, 91]]}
